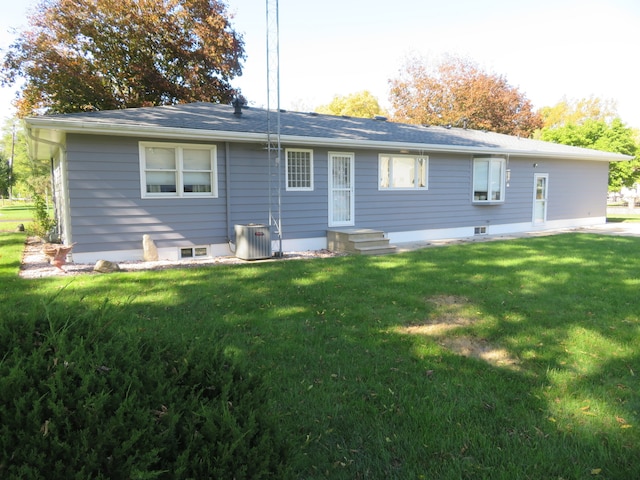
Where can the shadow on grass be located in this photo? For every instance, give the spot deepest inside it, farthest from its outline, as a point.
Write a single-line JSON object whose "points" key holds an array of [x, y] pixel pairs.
{"points": [[361, 400], [623, 218]]}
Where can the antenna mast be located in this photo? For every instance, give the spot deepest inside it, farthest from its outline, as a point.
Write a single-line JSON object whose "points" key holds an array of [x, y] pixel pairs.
{"points": [[273, 121]]}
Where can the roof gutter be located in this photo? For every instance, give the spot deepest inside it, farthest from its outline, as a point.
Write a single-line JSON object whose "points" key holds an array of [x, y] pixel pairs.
{"points": [[226, 136], [598, 155], [36, 139], [92, 128]]}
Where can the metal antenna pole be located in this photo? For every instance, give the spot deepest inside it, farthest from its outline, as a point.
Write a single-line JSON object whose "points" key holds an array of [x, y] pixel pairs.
{"points": [[273, 120]]}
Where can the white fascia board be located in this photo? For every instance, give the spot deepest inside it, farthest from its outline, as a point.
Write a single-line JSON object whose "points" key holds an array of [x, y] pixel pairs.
{"points": [[71, 126], [424, 147], [91, 128]]}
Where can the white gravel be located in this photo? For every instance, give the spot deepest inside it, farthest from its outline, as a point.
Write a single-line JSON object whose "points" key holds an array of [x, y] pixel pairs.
{"points": [[36, 265]]}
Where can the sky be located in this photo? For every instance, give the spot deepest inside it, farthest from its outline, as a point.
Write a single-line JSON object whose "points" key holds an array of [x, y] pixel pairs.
{"points": [[548, 49]]}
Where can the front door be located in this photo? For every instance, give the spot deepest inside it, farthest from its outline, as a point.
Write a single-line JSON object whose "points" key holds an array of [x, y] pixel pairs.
{"points": [[341, 189], [541, 182]]}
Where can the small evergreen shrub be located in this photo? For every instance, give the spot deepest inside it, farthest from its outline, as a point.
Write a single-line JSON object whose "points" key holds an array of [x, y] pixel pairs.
{"points": [[80, 401]]}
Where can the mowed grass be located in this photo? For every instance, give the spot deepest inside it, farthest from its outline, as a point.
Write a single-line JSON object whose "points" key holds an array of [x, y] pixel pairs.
{"points": [[623, 218], [18, 212], [366, 385]]}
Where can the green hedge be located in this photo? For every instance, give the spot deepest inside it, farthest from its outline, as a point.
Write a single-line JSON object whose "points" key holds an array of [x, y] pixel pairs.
{"points": [[78, 401]]}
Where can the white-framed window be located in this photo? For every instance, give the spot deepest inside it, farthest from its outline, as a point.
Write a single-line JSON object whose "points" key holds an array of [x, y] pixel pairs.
{"points": [[194, 252], [177, 170], [403, 172], [299, 169], [488, 179]]}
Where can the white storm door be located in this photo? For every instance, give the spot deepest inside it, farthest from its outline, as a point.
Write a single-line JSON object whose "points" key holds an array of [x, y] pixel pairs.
{"points": [[341, 189], [541, 184]]}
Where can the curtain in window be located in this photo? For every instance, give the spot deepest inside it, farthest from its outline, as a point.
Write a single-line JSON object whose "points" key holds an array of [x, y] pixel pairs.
{"points": [[196, 166], [403, 172], [481, 180], [161, 169]]}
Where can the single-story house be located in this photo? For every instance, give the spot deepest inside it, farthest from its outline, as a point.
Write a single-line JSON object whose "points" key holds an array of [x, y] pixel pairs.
{"points": [[188, 175]]}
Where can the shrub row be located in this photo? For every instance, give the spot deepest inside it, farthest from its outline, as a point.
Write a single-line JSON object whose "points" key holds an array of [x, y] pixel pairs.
{"points": [[78, 400]]}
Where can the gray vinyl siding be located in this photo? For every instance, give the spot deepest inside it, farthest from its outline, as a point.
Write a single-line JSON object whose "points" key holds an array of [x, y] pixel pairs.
{"points": [[447, 203], [576, 189], [305, 214], [249, 170], [107, 210], [404, 210], [108, 213]]}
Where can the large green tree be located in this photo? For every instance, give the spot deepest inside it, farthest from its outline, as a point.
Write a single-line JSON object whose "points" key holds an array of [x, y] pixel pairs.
{"points": [[458, 92], [30, 175], [7, 179], [80, 55], [612, 136], [362, 104], [577, 111]]}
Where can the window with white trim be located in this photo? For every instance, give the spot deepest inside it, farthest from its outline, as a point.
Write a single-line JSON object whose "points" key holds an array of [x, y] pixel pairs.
{"points": [[193, 252], [488, 179], [299, 169], [403, 172], [177, 170]]}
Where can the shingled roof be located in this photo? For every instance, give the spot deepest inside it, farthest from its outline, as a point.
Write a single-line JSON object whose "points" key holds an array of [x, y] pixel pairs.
{"points": [[217, 122]]}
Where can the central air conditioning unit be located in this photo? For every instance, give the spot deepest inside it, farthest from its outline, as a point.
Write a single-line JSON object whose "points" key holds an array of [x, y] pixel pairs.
{"points": [[253, 241]]}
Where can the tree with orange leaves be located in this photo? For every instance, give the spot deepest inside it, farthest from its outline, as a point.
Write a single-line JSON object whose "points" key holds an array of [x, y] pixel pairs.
{"points": [[458, 92], [80, 55]]}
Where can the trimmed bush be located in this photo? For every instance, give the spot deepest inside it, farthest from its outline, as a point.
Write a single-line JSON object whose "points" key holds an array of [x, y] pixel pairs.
{"points": [[43, 224], [81, 401]]}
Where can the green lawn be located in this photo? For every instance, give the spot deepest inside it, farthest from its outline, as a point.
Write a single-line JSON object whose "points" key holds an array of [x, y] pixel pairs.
{"points": [[16, 213], [623, 218], [367, 375]]}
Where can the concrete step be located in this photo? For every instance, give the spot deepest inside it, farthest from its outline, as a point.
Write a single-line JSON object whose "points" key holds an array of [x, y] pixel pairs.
{"points": [[378, 250], [359, 241]]}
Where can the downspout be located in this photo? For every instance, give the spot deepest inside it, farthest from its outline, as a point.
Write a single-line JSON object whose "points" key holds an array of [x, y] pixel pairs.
{"points": [[54, 197], [227, 180]]}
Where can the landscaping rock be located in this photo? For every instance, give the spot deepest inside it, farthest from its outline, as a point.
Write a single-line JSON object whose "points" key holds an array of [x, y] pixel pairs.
{"points": [[105, 266], [149, 248]]}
